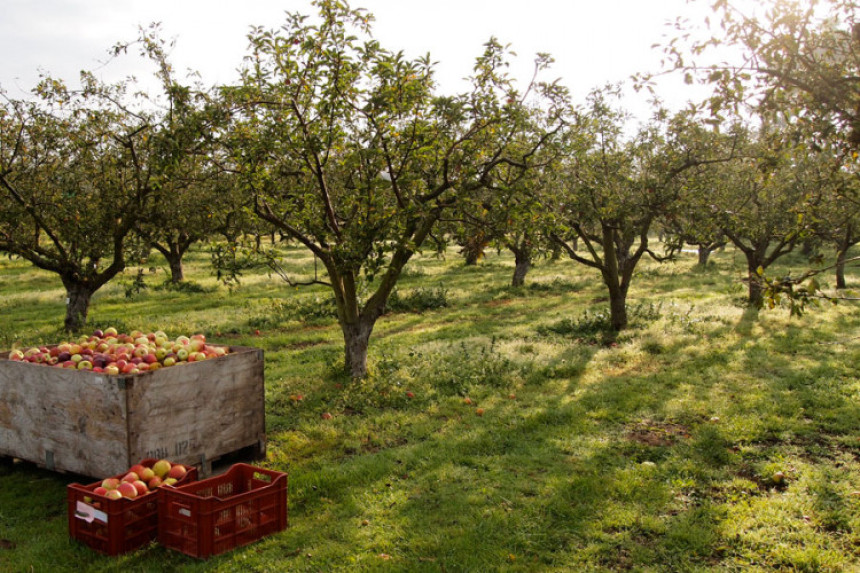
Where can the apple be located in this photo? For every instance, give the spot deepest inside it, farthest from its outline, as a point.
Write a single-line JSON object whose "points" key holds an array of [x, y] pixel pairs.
{"points": [[182, 355], [113, 494], [110, 483], [154, 482], [127, 489], [141, 487], [169, 361], [177, 471], [113, 370], [170, 481], [161, 468], [100, 490], [183, 340], [131, 476], [146, 474], [16, 355], [85, 365], [326, 416], [137, 468], [111, 331]]}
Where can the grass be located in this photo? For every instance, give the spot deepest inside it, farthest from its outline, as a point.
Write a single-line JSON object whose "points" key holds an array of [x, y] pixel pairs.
{"points": [[652, 450]]}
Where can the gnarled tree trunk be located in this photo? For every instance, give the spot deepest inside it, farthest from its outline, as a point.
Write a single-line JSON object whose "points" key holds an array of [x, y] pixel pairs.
{"points": [[78, 296], [840, 269], [522, 264]]}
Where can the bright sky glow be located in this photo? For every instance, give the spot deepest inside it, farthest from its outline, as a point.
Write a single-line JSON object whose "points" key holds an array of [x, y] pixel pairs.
{"points": [[593, 42]]}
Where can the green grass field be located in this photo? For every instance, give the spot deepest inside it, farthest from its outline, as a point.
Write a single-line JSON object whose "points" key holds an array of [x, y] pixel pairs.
{"points": [[654, 450]]}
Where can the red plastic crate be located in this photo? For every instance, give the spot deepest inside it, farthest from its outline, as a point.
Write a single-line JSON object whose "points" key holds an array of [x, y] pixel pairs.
{"points": [[115, 526], [220, 513]]}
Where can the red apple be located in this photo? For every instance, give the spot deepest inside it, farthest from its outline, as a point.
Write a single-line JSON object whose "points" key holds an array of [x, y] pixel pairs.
{"points": [[154, 482], [131, 476], [177, 472], [100, 491], [146, 474], [141, 487], [127, 489], [113, 494]]}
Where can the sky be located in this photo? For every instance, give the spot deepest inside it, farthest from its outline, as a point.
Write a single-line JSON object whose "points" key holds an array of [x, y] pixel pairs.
{"points": [[593, 41]]}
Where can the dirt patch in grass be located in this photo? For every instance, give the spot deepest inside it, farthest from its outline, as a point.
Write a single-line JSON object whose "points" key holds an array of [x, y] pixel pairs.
{"points": [[499, 302], [657, 434]]}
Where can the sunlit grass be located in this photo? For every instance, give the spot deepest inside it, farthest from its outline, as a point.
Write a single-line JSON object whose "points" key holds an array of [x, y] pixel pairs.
{"points": [[654, 450]]}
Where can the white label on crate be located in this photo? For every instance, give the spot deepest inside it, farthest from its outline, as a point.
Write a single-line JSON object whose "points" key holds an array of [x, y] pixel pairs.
{"points": [[185, 512], [88, 513]]}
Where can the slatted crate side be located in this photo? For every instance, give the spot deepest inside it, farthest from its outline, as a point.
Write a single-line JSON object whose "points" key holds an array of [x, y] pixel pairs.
{"points": [[224, 512], [194, 413], [62, 419]]}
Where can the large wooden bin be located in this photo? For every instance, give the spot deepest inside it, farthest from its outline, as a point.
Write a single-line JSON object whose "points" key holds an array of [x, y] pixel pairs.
{"points": [[95, 424]]}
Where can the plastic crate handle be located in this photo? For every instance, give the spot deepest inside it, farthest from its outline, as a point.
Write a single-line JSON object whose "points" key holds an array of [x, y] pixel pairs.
{"points": [[88, 513]]}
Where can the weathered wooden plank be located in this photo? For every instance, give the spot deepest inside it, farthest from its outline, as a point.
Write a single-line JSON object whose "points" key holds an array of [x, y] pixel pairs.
{"points": [[196, 412], [62, 419]]}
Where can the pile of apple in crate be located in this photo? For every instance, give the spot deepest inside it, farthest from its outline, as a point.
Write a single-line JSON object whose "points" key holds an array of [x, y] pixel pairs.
{"points": [[157, 499], [111, 352]]}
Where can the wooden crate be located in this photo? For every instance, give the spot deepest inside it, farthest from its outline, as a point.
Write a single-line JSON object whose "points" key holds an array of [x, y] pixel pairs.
{"points": [[96, 424]]}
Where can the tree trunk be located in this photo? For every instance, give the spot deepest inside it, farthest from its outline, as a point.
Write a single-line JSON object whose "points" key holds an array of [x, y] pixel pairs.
{"points": [[840, 269], [78, 306], [356, 339], [618, 308], [755, 296], [177, 275], [612, 276], [704, 255], [522, 265]]}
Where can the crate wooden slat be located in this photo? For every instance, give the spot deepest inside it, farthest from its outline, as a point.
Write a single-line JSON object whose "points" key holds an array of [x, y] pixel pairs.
{"points": [[95, 424]]}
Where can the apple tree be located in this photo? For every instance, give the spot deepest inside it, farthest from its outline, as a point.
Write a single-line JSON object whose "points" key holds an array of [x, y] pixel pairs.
{"points": [[796, 58], [346, 148], [80, 169], [68, 185], [611, 191]]}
